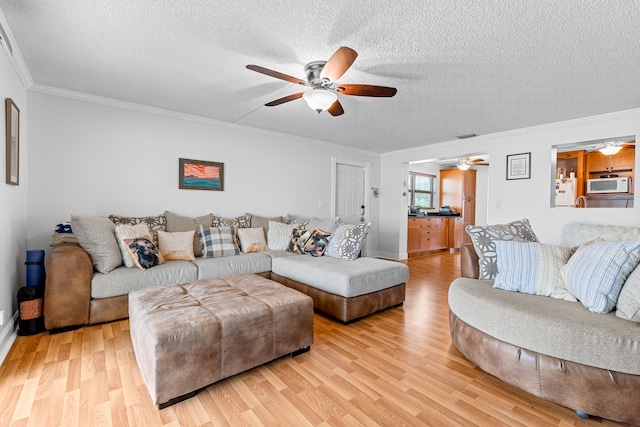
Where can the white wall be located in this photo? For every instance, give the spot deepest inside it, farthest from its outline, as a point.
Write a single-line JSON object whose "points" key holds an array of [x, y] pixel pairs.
{"points": [[13, 211], [94, 159], [509, 200]]}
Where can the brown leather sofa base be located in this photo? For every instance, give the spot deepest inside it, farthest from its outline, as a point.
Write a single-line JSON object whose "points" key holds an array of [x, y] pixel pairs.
{"points": [[595, 391], [348, 309]]}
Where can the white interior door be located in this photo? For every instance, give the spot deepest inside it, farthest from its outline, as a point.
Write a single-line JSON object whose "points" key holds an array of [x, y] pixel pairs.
{"points": [[350, 193]]}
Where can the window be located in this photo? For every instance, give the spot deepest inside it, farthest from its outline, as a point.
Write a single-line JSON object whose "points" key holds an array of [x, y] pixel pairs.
{"points": [[421, 190]]}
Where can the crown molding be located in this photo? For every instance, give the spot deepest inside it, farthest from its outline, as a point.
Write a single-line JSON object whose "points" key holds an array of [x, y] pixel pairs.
{"points": [[15, 56]]}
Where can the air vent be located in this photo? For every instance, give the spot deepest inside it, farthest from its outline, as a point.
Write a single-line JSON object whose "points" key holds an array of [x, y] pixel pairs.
{"points": [[4, 40], [469, 135]]}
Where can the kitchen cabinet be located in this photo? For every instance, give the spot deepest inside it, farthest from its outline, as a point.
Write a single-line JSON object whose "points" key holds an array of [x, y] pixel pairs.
{"points": [[458, 190], [426, 235], [623, 160]]}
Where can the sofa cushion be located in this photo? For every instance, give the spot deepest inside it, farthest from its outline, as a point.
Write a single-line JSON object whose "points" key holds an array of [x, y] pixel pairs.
{"points": [[97, 236], [143, 252], [176, 246], [596, 272], [317, 243], [184, 223], [252, 239], [127, 232], [341, 277], [532, 268], [577, 234], [279, 235], [327, 224], [255, 262], [218, 242], [155, 223], [562, 329], [298, 239], [483, 238], [346, 241], [123, 280], [628, 306], [261, 221]]}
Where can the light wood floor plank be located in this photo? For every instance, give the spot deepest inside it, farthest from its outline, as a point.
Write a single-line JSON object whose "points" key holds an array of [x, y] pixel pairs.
{"points": [[397, 367]]}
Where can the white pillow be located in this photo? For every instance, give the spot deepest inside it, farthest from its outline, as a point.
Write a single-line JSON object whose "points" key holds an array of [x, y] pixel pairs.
{"points": [[176, 246], [252, 240], [124, 232], [629, 301], [279, 235], [346, 241], [596, 272], [532, 268]]}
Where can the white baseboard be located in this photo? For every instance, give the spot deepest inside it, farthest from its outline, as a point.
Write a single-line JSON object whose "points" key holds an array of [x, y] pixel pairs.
{"points": [[8, 335]]}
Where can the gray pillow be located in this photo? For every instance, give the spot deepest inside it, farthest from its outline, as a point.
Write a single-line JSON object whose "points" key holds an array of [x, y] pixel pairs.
{"points": [[629, 300], [483, 238], [97, 236], [178, 223]]}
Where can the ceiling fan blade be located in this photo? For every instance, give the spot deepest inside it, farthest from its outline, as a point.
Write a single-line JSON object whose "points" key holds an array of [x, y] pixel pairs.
{"points": [[336, 109], [292, 97], [276, 74], [339, 63], [366, 90]]}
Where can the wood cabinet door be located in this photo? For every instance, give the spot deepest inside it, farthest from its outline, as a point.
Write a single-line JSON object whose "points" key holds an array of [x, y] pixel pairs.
{"points": [[413, 236], [458, 232], [597, 162], [441, 238], [625, 159]]}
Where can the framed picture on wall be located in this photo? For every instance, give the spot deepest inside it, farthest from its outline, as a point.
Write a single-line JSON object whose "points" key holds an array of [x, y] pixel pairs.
{"points": [[13, 142], [201, 175], [519, 166]]}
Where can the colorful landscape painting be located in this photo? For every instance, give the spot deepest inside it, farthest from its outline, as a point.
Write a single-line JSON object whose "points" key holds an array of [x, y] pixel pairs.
{"points": [[201, 175]]}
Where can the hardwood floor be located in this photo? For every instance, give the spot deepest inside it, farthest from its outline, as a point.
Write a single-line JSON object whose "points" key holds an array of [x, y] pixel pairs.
{"points": [[394, 368]]}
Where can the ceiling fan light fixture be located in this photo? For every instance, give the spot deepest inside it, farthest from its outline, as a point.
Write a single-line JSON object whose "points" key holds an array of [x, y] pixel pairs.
{"points": [[610, 148], [463, 165], [320, 99]]}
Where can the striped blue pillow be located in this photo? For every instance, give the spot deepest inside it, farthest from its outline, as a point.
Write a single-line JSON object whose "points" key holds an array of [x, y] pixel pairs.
{"points": [[218, 242], [531, 268], [596, 272]]}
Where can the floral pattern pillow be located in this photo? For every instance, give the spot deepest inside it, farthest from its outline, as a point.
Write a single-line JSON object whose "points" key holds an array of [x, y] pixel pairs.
{"points": [[346, 241], [484, 237], [155, 223]]}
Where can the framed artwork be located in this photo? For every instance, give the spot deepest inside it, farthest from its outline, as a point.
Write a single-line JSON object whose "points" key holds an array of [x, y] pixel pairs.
{"points": [[519, 166], [201, 175], [13, 141]]}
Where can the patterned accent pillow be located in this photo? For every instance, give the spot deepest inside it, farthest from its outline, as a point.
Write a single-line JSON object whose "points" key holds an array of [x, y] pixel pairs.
{"points": [[298, 239], [97, 236], [252, 240], [176, 246], [278, 235], [628, 306], [155, 223], [295, 220], [483, 238], [218, 242], [532, 268], [346, 241], [185, 223], [126, 232], [144, 253], [243, 221], [317, 243], [596, 273]]}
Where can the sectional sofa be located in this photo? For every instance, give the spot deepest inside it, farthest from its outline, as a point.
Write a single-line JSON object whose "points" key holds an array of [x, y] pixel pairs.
{"points": [[87, 283], [580, 354]]}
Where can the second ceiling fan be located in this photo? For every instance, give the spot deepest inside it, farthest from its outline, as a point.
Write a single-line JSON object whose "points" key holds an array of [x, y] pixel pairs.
{"points": [[321, 77]]}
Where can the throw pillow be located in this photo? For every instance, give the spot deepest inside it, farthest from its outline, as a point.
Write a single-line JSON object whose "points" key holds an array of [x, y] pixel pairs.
{"points": [[296, 220], [261, 221], [278, 235], [252, 240], [298, 239], [483, 238], [218, 242], [317, 243], [183, 223], [97, 236], [532, 268], [144, 253], [328, 224], [126, 232], [155, 223], [243, 221], [628, 306], [177, 245], [346, 241], [596, 272]]}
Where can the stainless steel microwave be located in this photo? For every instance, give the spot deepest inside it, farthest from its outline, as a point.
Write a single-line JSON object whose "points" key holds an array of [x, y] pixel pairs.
{"points": [[608, 185]]}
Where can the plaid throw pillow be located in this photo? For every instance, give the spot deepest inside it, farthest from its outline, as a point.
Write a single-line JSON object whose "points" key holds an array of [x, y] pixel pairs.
{"points": [[218, 242]]}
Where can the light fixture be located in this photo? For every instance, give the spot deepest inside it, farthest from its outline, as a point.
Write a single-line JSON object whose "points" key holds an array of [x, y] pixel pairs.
{"points": [[320, 99], [610, 148], [464, 164]]}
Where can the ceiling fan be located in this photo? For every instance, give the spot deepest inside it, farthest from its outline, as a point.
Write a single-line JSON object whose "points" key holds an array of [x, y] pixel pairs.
{"points": [[321, 77], [465, 163]]}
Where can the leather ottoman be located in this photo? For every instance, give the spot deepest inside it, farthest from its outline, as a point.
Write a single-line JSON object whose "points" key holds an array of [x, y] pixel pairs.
{"points": [[190, 335]]}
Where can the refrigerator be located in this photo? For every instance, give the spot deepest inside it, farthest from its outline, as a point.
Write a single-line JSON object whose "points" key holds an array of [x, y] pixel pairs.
{"points": [[566, 192]]}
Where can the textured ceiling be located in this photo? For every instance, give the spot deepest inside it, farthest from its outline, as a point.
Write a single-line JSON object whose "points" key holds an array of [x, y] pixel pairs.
{"points": [[460, 67]]}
